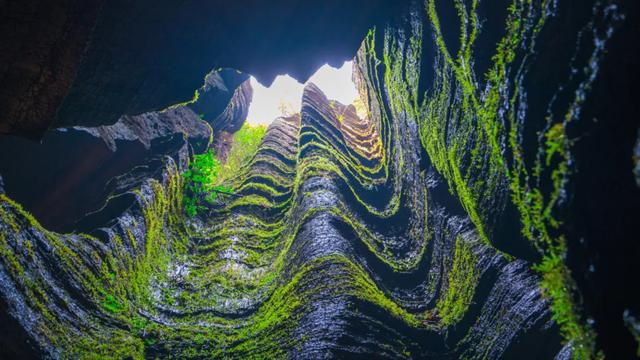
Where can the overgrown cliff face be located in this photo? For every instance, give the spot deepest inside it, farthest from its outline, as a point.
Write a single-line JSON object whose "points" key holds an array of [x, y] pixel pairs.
{"points": [[328, 245], [444, 224], [507, 130]]}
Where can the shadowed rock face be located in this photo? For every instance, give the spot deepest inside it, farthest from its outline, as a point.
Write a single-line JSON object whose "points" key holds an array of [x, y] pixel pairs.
{"points": [[234, 115], [219, 111], [87, 63], [150, 126], [463, 217], [72, 170], [42, 44], [223, 101], [231, 119], [65, 177]]}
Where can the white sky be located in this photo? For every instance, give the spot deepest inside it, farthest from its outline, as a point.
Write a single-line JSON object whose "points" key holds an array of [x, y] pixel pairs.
{"points": [[286, 93]]}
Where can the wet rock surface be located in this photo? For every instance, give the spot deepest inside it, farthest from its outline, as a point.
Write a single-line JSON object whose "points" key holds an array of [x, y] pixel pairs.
{"points": [[273, 251]]}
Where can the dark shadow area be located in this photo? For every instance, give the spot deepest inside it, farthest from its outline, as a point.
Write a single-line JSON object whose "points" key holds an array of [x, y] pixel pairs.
{"points": [[63, 178]]}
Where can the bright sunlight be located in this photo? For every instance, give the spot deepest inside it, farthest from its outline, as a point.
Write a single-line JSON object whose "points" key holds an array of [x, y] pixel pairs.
{"points": [[284, 96]]}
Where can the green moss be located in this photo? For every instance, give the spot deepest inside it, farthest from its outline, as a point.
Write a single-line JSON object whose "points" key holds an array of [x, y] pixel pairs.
{"points": [[245, 252], [118, 345], [558, 286], [111, 304], [462, 281], [470, 129], [245, 145]]}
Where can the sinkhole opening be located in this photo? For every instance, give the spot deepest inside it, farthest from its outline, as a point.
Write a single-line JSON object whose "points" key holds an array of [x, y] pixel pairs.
{"points": [[284, 96]]}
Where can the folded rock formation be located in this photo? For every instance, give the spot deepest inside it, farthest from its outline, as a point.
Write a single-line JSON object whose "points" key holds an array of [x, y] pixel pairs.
{"points": [[455, 220]]}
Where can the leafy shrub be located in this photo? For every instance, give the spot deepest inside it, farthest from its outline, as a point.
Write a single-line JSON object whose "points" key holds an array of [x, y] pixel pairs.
{"points": [[204, 181], [201, 183]]}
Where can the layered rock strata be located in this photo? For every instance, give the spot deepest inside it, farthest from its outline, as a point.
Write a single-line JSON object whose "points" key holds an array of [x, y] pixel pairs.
{"points": [[447, 223]]}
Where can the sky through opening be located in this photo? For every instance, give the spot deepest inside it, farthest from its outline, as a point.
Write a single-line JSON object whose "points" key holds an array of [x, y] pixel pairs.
{"points": [[284, 96]]}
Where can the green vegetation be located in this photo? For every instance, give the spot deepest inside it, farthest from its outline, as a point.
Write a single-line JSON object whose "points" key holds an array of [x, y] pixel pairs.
{"points": [[116, 279], [247, 254], [462, 281], [245, 144], [201, 183], [111, 304], [471, 129], [555, 279], [206, 178]]}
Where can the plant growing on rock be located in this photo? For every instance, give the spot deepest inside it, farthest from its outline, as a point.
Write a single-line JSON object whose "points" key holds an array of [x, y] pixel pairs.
{"points": [[245, 145], [201, 183], [206, 178]]}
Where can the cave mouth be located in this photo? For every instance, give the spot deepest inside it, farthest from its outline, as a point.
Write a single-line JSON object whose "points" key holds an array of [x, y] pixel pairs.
{"points": [[461, 188], [284, 96]]}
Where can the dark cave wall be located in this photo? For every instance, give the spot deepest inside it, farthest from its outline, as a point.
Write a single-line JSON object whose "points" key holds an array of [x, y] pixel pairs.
{"points": [[72, 170], [42, 44], [126, 58], [605, 202], [65, 177]]}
